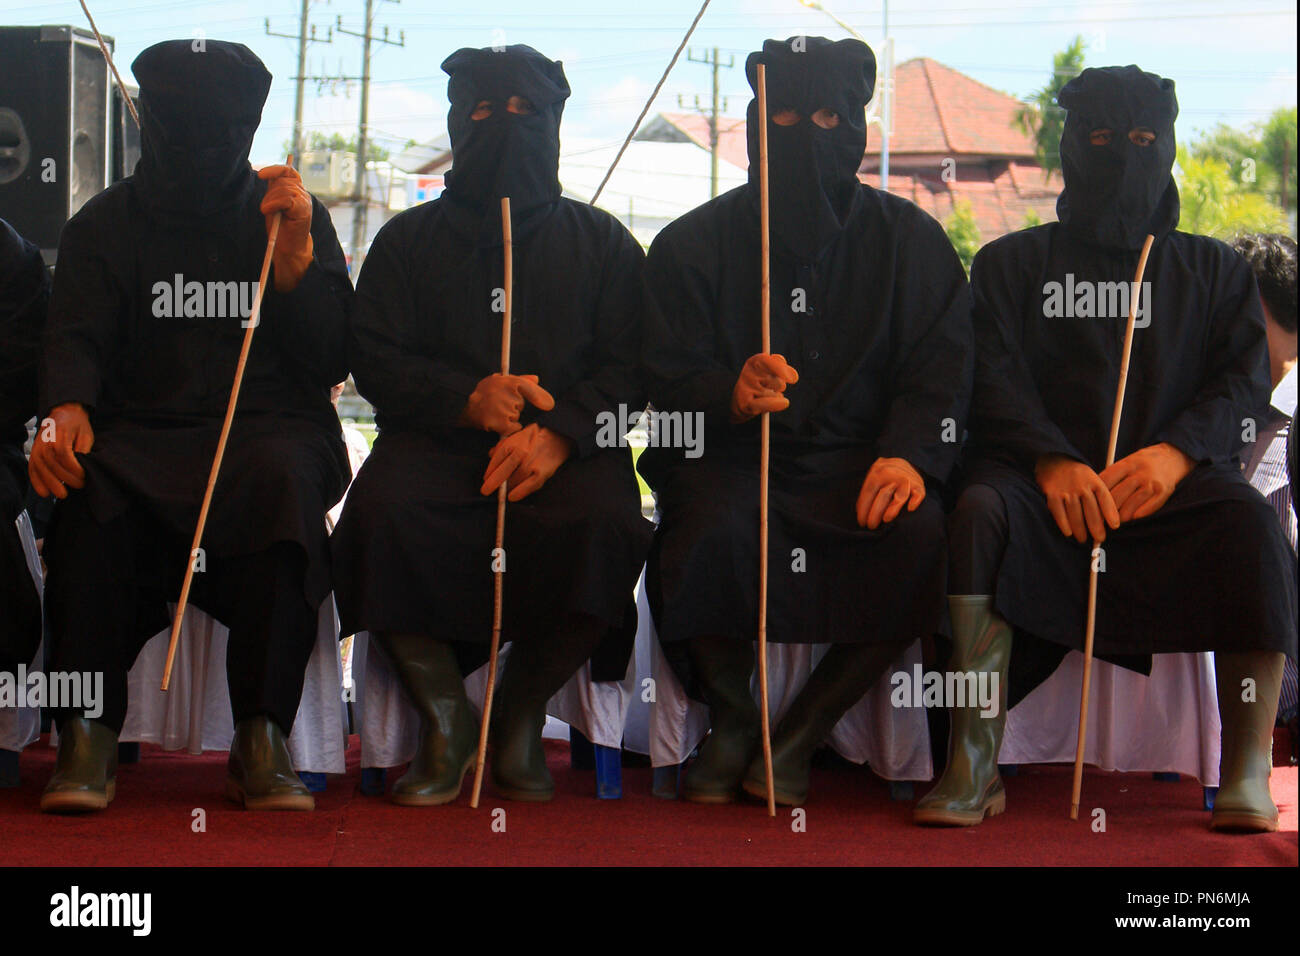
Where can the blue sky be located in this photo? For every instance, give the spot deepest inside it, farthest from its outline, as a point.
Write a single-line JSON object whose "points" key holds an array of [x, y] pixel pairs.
{"points": [[1232, 67]]}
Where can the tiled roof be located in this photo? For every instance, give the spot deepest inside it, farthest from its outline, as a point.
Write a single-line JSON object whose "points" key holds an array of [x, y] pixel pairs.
{"points": [[937, 110]]}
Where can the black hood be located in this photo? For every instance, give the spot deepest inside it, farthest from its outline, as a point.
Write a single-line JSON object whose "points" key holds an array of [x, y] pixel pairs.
{"points": [[199, 111], [504, 154], [1118, 193], [812, 172]]}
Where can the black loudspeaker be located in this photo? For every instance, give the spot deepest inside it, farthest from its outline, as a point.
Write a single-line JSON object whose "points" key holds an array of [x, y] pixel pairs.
{"points": [[56, 118], [126, 135]]}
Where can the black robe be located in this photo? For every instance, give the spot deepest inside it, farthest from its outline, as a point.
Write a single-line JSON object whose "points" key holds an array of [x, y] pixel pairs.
{"points": [[883, 349], [158, 386], [24, 296], [412, 550], [1211, 570]]}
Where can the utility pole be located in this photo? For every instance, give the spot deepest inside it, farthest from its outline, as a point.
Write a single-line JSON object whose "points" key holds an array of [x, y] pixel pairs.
{"points": [[360, 200], [713, 113], [303, 37]]}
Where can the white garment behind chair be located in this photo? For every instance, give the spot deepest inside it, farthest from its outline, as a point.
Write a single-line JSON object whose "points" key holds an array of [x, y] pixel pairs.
{"points": [[19, 726], [194, 714], [1168, 722]]}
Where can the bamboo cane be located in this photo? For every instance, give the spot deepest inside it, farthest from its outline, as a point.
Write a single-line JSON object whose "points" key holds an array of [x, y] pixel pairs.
{"points": [[498, 554], [253, 318], [103, 48], [1091, 626], [765, 454]]}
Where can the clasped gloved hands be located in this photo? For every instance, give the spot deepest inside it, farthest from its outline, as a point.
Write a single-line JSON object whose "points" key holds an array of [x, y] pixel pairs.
{"points": [[761, 386], [890, 484], [1084, 502], [497, 401], [53, 467], [527, 459], [286, 194]]}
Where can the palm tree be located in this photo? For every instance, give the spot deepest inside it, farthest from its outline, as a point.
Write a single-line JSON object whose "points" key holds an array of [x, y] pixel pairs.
{"points": [[1041, 117]]}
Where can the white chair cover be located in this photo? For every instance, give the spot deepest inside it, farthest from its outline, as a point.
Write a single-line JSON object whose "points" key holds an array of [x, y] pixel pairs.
{"points": [[19, 726], [1166, 722], [194, 714]]}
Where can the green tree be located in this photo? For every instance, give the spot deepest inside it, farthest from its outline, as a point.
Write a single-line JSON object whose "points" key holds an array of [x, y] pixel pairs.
{"points": [[1278, 139], [1042, 117], [963, 232], [1215, 202], [1262, 157], [1031, 219]]}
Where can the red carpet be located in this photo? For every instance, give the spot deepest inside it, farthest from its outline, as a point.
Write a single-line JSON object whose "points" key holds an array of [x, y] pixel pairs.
{"points": [[850, 820]]}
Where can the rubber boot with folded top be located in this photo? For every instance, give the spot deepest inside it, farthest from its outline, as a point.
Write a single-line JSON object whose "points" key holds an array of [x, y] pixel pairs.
{"points": [[448, 728], [971, 787], [535, 671], [1244, 801], [723, 667], [85, 772], [843, 675], [259, 773]]}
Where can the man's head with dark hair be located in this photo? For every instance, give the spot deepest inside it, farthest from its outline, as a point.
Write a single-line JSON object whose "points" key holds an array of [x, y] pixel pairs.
{"points": [[1272, 258]]}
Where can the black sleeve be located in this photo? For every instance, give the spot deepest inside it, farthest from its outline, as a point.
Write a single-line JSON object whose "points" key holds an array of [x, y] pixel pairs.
{"points": [[1007, 413], [310, 324], [24, 301], [681, 368], [87, 308], [389, 373], [933, 363], [614, 378], [1210, 430]]}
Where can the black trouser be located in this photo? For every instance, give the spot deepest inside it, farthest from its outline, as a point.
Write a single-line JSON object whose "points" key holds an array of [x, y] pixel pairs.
{"points": [[106, 595], [977, 539]]}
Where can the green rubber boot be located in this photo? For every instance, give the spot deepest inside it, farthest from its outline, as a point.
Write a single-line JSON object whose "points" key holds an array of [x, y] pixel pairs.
{"points": [[1244, 801], [534, 672], [259, 773], [723, 666], [840, 679], [85, 771], [971, 787], [448, 728]]}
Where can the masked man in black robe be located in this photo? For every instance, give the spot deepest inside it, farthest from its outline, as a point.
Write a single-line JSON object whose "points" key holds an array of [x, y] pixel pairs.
{"points": [[413, 551], [153, 289], [24, 296], [870, 303], [1191, 557]]}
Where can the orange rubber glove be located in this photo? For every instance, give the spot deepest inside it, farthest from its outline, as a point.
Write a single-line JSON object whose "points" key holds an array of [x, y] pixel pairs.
{"points": [[890, 484], [760, 386], [526, 460], [53, 467], [293, 246], [497, 401]]}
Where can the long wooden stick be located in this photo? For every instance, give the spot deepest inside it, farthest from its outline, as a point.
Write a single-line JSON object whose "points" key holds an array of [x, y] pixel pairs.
{"points": [[648, 103], [498, 555], [1091, 626], [108, 57], [253, 318], [765, 454]]}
